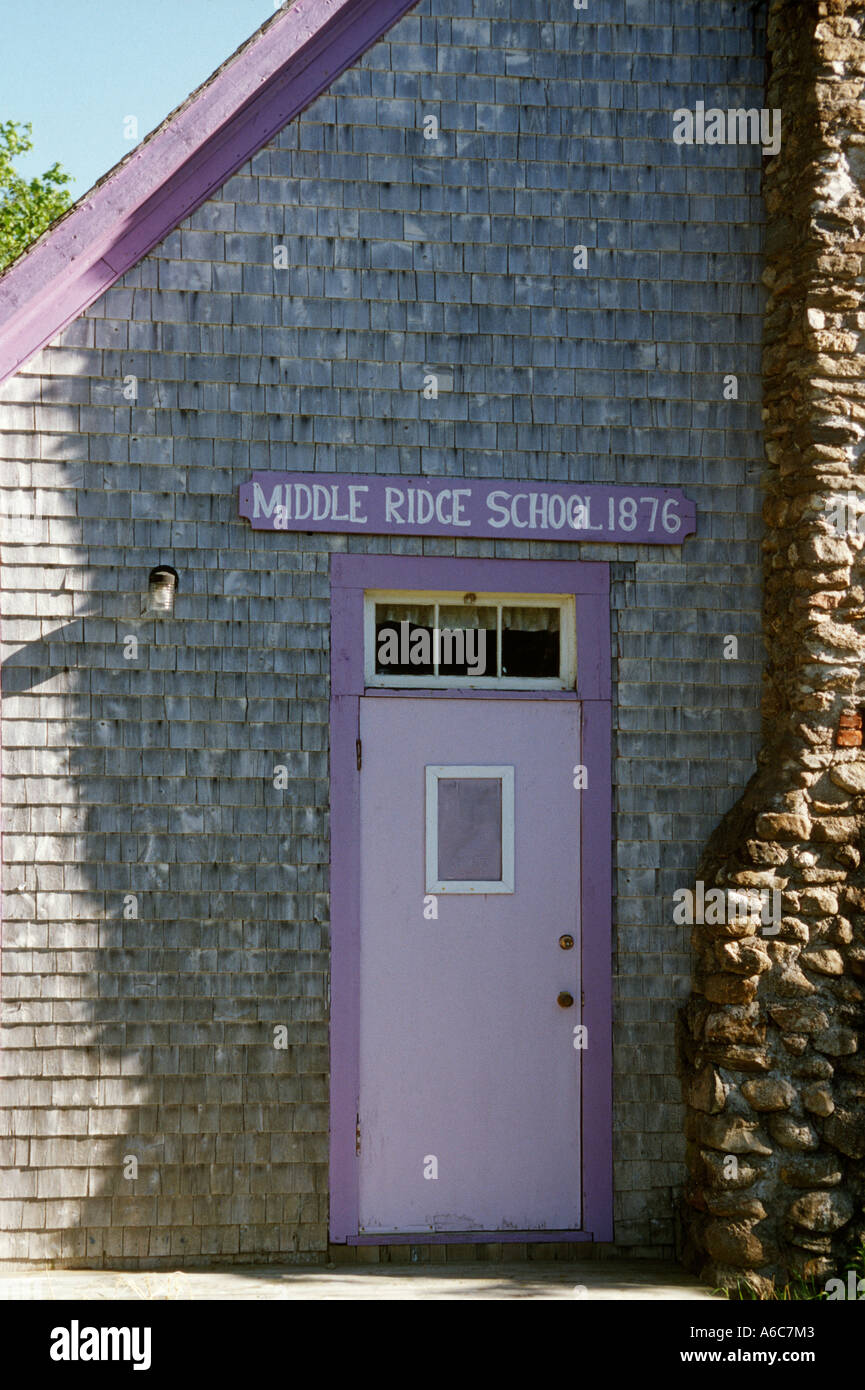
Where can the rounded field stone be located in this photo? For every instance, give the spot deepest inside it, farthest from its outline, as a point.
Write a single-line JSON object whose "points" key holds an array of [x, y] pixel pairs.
{"points": [[822, 1212], [819, 1170], [769, 1093], [734, 1243], [792, 1134]]}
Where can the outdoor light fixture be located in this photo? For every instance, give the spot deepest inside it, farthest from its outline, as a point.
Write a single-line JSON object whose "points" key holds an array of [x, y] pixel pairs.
{"points": [[161, 591]]}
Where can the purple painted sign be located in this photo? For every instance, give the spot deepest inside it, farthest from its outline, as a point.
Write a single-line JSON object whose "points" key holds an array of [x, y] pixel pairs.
{"points": [[487, 507]]}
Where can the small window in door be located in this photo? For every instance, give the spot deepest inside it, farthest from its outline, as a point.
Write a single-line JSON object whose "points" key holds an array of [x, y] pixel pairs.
{"points": [[469, 829], [498, 641]]}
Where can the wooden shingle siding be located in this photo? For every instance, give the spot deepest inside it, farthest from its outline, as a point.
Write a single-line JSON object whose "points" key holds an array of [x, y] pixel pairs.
{"points": [[152, 1036]]}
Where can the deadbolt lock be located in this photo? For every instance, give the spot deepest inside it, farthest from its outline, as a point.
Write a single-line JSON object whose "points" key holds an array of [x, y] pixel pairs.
{"points": [[566, 943]]}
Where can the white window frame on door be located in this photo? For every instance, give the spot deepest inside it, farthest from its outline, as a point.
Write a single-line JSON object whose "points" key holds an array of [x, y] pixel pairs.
{"points": [[434, 884], [564, 603]]}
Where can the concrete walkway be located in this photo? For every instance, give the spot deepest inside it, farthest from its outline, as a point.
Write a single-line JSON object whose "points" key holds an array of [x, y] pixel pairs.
{"points": [[608, 1280]]}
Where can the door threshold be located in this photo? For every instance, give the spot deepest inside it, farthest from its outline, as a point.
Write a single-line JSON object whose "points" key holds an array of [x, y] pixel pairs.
{"points": [[465, 1237]]}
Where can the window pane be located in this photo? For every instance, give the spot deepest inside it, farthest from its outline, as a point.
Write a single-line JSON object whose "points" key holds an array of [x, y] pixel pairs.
{"points": [[530, 642], [404, 639], [468, 641], [470, 829]]}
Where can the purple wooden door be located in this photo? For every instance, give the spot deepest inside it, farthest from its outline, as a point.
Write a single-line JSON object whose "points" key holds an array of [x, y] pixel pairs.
{"points": [[469, 1074]]}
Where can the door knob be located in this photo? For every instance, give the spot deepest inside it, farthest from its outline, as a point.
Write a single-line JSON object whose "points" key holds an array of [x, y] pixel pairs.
{"points": [[564, 1000], [566, 943]]}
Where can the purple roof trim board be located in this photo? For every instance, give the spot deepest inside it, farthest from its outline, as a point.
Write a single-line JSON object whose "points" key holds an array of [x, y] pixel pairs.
{"points": [[243, 105]]}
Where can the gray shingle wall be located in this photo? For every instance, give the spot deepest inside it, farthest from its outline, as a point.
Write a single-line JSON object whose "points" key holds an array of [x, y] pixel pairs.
{"points": [[150, 774]]}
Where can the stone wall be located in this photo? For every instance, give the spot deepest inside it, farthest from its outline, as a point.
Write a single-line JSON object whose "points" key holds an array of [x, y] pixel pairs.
{"points": [[152, 1036], [774, 1061]]}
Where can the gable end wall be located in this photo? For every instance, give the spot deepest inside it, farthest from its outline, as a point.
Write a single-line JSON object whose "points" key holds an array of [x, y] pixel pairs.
{"points": [[151, 1036]]}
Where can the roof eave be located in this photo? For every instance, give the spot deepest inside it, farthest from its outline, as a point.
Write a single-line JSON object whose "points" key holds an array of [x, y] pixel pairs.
{"points": [[270, 80]]}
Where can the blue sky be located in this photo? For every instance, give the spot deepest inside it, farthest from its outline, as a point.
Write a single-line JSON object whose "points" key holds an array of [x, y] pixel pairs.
{"points": [[78, 68]]}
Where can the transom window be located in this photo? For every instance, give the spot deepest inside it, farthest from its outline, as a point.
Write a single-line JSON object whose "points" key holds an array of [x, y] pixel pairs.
{"points": [[504, 641]]}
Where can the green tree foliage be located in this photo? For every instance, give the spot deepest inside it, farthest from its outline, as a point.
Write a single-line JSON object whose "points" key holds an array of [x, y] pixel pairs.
{"points": [[27, 207]]}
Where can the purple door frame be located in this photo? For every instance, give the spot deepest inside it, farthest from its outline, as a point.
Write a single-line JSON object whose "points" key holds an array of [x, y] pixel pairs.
{"points": [[589, 583]]}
